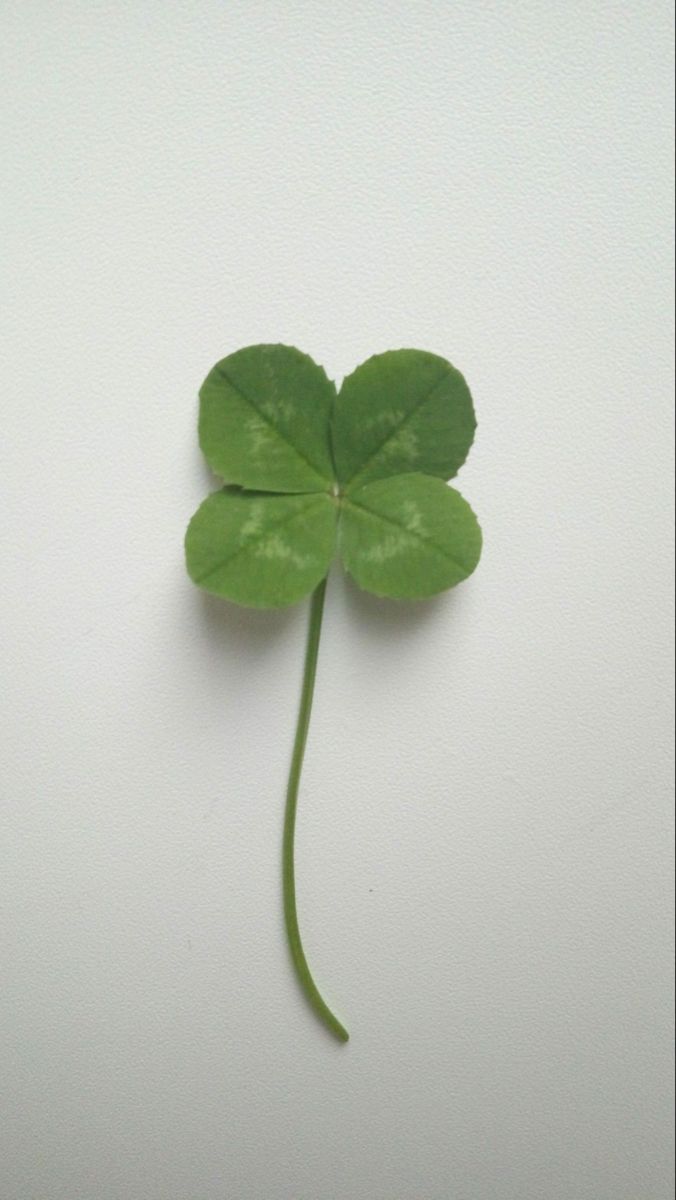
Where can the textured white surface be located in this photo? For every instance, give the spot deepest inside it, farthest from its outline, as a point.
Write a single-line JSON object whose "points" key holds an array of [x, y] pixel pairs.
{"points": [[484, 822]]}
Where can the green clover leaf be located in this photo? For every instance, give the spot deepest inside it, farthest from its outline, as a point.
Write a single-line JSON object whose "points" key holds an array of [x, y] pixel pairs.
{"points": [[264, 420], [259, 549], [271, 423], [310, 474]]}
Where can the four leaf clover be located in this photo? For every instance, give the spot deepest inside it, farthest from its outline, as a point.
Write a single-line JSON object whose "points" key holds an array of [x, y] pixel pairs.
{"points": [[311, 473]]}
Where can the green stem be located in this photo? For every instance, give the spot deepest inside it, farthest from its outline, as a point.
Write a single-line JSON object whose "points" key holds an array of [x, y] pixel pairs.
{"points": [[288, 873]]}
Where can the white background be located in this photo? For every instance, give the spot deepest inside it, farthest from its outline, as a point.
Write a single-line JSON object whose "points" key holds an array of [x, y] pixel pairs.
{"points": [[484, 821]]}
